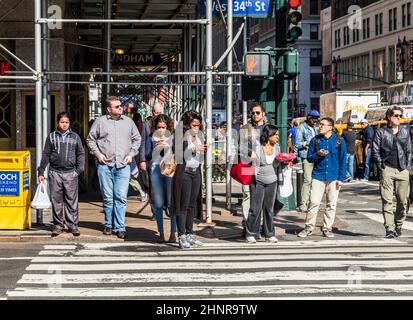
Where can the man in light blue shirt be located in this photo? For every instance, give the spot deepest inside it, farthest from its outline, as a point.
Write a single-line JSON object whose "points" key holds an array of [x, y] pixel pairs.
{"points": [[327, 152], [305, 133]]}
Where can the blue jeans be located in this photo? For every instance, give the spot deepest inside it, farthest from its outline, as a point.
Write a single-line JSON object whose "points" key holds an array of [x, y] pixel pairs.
{"points": [[161, 196], [114, 185], [366, 160], [350, 165]]}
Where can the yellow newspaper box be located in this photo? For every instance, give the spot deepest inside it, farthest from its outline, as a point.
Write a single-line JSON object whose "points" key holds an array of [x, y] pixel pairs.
{"points": [[15, 190]]}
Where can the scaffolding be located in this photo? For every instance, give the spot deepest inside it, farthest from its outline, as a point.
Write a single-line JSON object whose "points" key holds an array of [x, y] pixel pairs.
{"points": [[41, 74]]}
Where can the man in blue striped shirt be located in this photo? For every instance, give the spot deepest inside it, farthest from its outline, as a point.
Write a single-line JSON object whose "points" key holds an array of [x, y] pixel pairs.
{"points": [[327, 152]]}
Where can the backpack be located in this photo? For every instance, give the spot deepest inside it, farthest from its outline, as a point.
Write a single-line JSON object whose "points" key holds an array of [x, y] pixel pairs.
{"points": [[317, 139]]}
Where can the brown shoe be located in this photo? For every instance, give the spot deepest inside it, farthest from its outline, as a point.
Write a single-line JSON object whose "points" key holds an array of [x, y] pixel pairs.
{"points": [[56, 232], [161, 238], [172, 238]]}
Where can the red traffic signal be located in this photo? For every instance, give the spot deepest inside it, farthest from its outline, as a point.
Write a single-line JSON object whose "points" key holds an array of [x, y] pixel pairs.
{"points": [[334, 78], [294, 4]]}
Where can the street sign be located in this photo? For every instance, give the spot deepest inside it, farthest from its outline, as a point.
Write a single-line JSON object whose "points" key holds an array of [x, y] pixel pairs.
{"points": [[241, 8]]}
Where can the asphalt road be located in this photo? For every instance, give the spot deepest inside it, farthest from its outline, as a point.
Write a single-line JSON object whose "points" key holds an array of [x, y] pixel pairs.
{"points": [[226, 268]]}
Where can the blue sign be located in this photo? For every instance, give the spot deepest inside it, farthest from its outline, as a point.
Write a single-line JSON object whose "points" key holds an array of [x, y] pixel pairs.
{"points": [[9, 183], [26, 180], [241, 8]]}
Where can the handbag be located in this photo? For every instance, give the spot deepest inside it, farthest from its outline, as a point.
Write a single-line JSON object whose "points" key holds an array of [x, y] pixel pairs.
{"points": [[168, 165], [41, 198], [286, 189], [242, 172]]}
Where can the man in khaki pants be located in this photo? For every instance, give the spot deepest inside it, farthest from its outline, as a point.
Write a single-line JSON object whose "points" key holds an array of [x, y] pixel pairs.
{"points": [[328, 154], [306, 132], [393, 152]]}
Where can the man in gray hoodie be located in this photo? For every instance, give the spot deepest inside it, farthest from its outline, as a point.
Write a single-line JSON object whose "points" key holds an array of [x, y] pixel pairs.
{"points": [[114, 139]]}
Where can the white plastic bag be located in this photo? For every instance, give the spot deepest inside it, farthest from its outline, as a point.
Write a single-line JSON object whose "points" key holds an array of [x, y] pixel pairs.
{"points": [[286, 189], [41, 198]]}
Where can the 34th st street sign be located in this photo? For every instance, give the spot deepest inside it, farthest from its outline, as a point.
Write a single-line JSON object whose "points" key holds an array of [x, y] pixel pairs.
{"points": [[241, 8]]}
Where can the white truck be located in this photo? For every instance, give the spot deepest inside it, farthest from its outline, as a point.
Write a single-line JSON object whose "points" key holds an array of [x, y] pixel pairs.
{"points": [[354, 104]]}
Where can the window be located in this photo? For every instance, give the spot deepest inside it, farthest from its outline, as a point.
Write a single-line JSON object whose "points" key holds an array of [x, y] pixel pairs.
{"points": [[409, 17], [392, 70], [339, 37], [395, 19], [314, 28], [366, 28], [316, 82], [314, 10], [404, 16], [356, 33], [336, 37], [379, 23], [346, 35], [391, 20], [316, 57]]}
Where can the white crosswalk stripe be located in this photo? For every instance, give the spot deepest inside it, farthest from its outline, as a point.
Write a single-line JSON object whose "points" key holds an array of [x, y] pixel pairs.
{"points": [[220, 270]]}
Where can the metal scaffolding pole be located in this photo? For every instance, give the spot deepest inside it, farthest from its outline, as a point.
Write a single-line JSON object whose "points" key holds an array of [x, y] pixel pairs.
{"points": [[108, 29], [244, 103], [208, 69], [229, 105], [120, 21], [45, 57], [38, 67], [141, 73]]}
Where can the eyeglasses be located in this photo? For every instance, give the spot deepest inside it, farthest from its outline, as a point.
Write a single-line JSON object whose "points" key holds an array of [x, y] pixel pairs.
{"points": [[397, 116], [256, 112]]}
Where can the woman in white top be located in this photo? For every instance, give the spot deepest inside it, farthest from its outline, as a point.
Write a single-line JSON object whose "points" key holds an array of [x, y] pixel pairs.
{"points": [[161, 191], [264, 185], [187, 178]]}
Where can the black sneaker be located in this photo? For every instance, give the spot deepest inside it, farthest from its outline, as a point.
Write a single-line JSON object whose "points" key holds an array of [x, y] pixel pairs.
{"points": [[56, 232], [244, 233], [107, 231], [398, 232], [76, 232], [390, 234], [121, 234]]}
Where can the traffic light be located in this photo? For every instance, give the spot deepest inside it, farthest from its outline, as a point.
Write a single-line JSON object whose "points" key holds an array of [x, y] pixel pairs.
{"points": [[294, 20], [334, 82], [258, 64]]}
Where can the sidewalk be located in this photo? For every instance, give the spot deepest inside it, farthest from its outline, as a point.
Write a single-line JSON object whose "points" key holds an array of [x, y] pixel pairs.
{"points": [[140, 226]]}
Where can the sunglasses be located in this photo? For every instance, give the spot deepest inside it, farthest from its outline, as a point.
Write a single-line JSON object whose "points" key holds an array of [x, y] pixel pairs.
{"points": [[117, 107], [256, 112], [397, 116]]}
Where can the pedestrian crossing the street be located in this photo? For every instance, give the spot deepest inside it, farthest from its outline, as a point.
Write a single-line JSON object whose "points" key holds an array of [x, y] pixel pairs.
{"points": [[236, 270]]}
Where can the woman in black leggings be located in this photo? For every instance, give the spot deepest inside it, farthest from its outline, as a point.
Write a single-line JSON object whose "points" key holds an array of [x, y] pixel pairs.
{"points": [[187, 178]]}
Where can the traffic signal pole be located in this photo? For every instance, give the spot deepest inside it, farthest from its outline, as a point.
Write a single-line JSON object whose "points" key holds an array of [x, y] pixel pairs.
{"points": [[229, 105], [281, 83]]}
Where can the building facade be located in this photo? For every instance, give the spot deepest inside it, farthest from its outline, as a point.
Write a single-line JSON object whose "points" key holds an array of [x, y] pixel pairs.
{"points": [[371, 47]]}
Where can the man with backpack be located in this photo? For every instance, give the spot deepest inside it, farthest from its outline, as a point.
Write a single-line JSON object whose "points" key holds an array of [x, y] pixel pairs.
{"points": [[327, 152], [392, 150]]}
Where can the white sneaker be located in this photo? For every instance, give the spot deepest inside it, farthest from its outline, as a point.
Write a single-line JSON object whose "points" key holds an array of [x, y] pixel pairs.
{"points": [[272, 239], [302, 208], [251, 240], [145, 197]]}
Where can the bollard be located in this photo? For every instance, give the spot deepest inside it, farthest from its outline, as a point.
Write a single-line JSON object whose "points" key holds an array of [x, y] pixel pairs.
{"points": [[39, 217], [299, 177]]}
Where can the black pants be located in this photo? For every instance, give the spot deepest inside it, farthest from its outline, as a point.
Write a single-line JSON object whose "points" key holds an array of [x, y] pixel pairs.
{"points": [[64, 193], [262, 202], [191, 184]]}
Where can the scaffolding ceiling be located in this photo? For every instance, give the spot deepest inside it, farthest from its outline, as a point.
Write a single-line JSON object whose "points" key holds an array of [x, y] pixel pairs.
{"points": [[133, 37]]}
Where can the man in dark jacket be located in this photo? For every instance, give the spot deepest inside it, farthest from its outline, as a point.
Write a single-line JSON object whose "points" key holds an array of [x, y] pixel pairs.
{"points": [[349, 137], [367, 136], [393, 152]]}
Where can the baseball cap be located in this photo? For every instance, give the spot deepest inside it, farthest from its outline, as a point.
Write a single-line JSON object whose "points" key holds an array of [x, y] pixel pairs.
{"points": [[350, 125], [364, 121], [313, 113]]}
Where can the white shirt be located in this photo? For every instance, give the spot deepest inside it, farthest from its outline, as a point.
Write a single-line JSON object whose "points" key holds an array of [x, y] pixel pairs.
{"points": [[194, 161]]}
